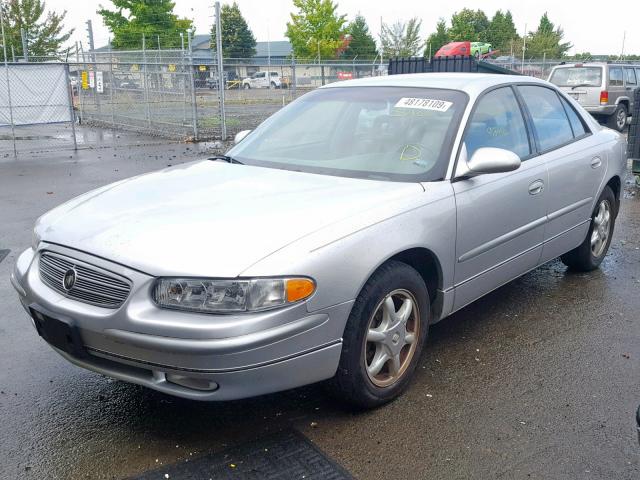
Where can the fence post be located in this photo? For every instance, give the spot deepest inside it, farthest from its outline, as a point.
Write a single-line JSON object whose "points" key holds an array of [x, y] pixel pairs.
{"points": [[72, 114], [145, 79], [293, 75], [194, 105], [79, 84], [221, 85], [6, 69], [112, 84]]}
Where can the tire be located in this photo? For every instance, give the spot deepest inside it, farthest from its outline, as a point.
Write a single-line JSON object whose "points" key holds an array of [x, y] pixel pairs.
{"points": [[618, 120], [273, 85], [353, 382], [246, 86], [588, 256]]}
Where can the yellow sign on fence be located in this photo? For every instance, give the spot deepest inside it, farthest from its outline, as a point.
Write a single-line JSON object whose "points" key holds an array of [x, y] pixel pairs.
{"points": [[85, 80], [202, 68], [172, 67]]}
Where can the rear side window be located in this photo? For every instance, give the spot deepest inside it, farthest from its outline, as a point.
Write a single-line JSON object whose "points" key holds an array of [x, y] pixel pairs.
{"points": [[630, 76], [615, 77], [574, 119], [549, 118], [498, 122]]}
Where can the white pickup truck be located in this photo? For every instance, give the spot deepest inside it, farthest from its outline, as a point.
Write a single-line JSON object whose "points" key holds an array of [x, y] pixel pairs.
{"points": [[260, 80]]}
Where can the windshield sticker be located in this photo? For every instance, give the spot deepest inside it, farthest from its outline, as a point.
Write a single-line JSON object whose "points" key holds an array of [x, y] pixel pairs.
{"points": [[423, 104]]}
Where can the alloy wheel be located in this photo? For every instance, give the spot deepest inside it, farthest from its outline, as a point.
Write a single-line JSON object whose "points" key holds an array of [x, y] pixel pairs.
{"points": [[601, 229], [392, 338]]}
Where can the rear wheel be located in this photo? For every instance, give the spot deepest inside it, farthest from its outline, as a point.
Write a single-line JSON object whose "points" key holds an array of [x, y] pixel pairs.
{"points": [[247, 86], [618, 121], [384, 337], [592, 251]]}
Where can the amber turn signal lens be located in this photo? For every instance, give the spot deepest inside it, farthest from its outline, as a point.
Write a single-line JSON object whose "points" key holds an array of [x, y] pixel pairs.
{"points": [[299, 289]]}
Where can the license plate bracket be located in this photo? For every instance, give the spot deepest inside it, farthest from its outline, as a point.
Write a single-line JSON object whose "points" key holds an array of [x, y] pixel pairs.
{"points": [[59, 333]]}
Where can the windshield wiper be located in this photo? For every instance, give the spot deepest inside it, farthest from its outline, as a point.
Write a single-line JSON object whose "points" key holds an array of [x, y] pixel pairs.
{"points": [[225, 158], [581, 85]]}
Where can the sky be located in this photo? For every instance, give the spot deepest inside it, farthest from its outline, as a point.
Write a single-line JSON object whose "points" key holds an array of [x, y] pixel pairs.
{"points": [[589, 28]]}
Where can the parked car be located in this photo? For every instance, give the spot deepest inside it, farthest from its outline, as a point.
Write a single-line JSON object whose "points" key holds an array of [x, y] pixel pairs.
{"points": [[328, 240], [479, 49], [260, 80], [454, 49], [604, 89]]}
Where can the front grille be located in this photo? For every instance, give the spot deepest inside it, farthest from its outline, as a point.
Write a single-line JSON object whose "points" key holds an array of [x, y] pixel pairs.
{"points": [[92, 285]]}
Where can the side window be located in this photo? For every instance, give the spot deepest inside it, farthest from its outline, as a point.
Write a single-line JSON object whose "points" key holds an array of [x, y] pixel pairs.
{"points": [[615, 77], [630, 77], [576, 123], [497, 122], [549, 118]]}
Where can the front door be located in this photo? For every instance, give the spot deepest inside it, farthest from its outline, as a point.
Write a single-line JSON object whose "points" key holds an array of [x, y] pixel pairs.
{"points": [[500, 217]]}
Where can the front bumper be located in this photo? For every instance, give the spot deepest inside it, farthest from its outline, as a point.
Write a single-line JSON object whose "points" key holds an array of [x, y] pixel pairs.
{"points": [[191, 355]]}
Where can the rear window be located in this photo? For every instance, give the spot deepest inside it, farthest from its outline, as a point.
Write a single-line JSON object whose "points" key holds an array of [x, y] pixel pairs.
{"points": [[577, 77]]}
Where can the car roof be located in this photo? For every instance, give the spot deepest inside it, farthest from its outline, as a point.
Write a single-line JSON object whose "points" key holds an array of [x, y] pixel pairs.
{"points": [[471, 83]]}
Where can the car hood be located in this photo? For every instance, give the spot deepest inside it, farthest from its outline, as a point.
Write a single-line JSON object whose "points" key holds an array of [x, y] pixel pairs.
{"points": [[209, 218]]}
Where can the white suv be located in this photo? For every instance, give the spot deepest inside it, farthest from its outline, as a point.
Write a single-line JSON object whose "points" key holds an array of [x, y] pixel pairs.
{"points": [[260, 80]]}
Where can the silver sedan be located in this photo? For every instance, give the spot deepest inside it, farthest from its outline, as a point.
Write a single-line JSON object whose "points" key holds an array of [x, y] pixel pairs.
{"points": [[324, 244]]}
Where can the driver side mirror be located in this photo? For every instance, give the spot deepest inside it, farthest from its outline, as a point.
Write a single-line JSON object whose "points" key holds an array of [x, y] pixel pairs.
{"points": [[489, 160], [240, 136]]}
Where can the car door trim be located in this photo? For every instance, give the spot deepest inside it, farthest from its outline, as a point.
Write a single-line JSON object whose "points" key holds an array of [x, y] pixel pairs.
{"points": [[569, 208], [480, 249]]}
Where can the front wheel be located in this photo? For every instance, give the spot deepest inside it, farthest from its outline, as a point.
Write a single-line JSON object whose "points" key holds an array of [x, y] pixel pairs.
{"points": [[618, 121], [384, 337], [592, 251], [247, 86]]}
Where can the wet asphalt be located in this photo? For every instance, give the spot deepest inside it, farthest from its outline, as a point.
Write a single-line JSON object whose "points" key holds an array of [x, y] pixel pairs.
{"points": [[539, 379]]}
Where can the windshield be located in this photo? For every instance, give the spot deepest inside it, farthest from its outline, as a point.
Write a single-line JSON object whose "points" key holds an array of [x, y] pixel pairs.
{"points": [[391, 133], [577, 76]]}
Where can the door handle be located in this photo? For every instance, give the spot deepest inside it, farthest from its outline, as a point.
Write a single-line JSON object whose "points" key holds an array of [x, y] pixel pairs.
{"points": [[536, 187], [596, 162]]}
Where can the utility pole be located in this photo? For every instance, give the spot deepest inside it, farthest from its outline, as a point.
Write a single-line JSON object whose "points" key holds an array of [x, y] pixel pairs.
{"points": [[90, 34], [524, 45], [624, 37], [25, 48]]}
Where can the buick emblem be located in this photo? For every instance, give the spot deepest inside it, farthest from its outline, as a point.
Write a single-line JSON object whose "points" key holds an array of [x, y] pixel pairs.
{"points": [[69, 279]]}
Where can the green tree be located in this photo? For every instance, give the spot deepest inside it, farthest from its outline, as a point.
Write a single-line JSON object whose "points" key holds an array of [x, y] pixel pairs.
{"points": [[237, 38], [502, 31], [362, 43], [437, 39], [45, 36], [469, 25], [546, 40], [315, 29], [152, 18], [401, 39]]}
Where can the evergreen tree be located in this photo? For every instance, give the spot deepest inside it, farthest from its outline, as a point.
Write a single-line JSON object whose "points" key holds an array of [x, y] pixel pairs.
{"points": [[437, 39], [237, 38], [316, 30], [152, 18], [546, 41], [45, 36], [502, 31], [362, 43], [401, 39]]}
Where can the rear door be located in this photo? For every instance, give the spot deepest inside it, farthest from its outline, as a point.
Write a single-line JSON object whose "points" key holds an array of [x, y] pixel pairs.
{"points": [[631, 83], [616, 84], [501, 216], [575, 163]]}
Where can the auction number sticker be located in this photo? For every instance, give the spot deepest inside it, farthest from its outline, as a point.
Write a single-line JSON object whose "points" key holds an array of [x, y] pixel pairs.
{"points": [[423, 104]]}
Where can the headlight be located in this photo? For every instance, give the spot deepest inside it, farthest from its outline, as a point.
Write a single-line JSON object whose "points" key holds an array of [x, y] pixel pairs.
{"points": [[227, 296]]}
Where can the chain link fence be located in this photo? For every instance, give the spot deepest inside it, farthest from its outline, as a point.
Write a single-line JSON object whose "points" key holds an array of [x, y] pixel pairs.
{"points": [[166, 93]]}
